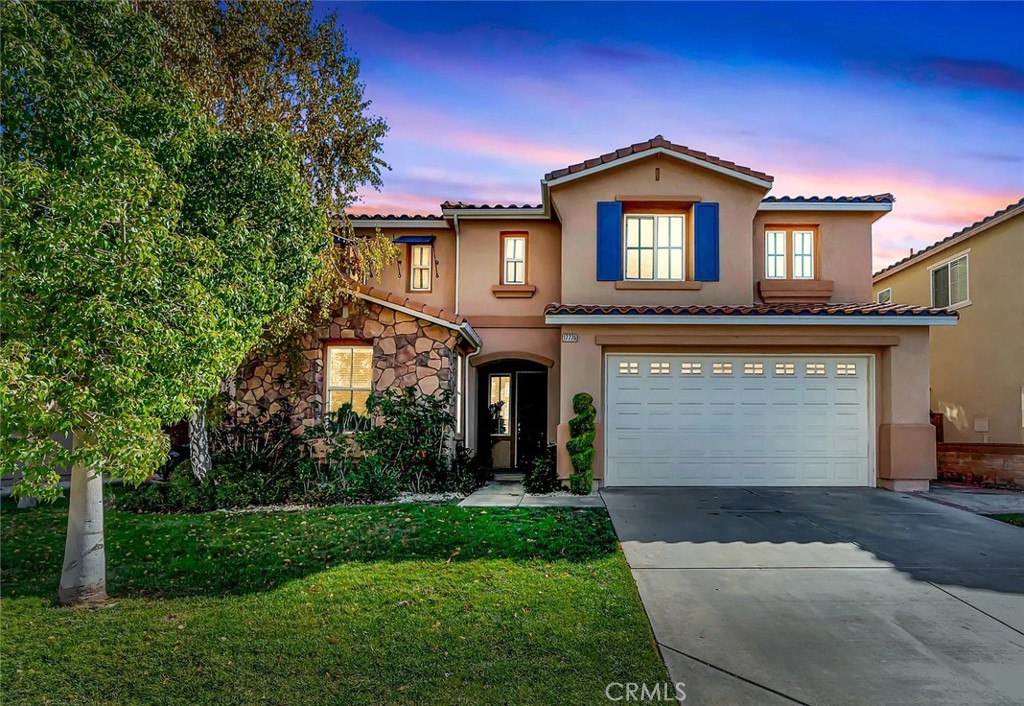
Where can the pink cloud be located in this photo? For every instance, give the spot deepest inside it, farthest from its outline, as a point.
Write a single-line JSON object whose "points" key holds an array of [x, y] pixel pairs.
{"points": [[926, 209]]}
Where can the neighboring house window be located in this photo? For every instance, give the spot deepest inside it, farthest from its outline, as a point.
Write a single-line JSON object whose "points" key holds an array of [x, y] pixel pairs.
{"points": [[513, 259], [655, 247], [420, 267], [348, 379], [885, 296], [499, 401], [949, 283], [789, 253]]}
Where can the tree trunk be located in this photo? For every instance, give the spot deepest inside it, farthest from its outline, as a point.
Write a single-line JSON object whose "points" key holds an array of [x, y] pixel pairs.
{"points": [[199, 442], [83, 578]]}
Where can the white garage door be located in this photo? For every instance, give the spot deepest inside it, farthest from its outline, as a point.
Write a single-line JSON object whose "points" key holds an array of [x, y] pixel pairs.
{"points": [[738, 420]]}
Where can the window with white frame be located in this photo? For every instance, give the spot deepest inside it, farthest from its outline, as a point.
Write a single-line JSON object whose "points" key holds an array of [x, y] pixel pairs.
{"points": [[885, 296], [775, 254], [949, 283], [803, 254], [655, 247], [514, 259], [420, 267], [789, 252], [348, 379], [499, 400]]}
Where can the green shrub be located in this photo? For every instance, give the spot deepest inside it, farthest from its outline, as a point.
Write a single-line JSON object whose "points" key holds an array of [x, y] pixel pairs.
{"points": [[412, 438], [344, 458], [581, 445], [370, 481], [542, 476]]}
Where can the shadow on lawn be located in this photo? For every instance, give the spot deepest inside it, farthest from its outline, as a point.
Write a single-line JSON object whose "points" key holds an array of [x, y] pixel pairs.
{"points": [[221, 553]]}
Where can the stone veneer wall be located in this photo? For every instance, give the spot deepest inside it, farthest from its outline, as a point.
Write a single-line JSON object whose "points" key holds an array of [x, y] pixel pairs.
{"points": [[407, 352], [989, 464]]}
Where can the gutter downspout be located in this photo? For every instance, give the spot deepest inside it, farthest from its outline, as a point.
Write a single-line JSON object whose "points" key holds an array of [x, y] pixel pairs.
{"points": [[466, 407], [458, 262]]}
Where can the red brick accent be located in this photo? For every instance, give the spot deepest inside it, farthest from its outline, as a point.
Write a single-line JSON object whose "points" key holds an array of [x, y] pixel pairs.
{"points": [[985, 464]]}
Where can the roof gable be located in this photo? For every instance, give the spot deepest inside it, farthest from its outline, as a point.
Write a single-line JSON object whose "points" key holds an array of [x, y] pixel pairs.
{"points": [[657, 145]]}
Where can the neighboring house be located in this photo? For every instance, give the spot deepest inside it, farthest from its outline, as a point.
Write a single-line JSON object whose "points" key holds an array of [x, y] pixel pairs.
{"points": [[977, 367], [727, 337]]}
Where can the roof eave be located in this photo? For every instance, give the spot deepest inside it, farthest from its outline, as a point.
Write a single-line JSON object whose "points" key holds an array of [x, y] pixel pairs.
{"points": [[614, 163], [497, 213], [882, 207], [753, 320], [398, 223]]}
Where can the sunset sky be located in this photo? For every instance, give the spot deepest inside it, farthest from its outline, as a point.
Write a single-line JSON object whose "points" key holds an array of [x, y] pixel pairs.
{"points": [[922, 100]]}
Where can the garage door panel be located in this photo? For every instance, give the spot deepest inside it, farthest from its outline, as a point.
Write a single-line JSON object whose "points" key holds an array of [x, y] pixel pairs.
{"points": [[735, 420]]}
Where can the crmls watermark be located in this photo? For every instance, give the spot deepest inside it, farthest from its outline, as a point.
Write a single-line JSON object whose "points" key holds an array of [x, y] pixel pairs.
{"points": [[646, 693]]}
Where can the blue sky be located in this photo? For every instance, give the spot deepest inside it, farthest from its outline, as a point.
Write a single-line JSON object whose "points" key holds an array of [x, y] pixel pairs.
{"points": [[923, 100]]}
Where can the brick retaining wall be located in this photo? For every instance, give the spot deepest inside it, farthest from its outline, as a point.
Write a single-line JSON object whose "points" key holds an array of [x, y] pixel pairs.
{"points": [[990, 464]]}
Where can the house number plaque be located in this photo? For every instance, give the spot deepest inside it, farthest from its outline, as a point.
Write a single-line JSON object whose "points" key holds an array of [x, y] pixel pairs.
{"points": [[570, 337]]}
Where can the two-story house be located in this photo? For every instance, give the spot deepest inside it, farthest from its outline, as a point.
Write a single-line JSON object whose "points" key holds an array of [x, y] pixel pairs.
{"points": [[977, 367], [728, 337]]}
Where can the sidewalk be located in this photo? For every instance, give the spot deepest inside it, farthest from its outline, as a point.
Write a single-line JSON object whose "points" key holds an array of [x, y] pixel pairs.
{"points": [[496, 494]]}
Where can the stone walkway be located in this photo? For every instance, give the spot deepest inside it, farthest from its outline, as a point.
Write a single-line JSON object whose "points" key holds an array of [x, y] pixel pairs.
{"points": [[513, 495]]}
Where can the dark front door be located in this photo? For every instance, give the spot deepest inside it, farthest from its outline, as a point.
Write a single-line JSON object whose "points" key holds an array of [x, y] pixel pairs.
{"points": [[513, 416], [531, 416]]}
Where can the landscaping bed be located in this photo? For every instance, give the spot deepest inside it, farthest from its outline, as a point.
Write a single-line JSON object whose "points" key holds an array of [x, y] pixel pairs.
{"points": [[393, 604]]}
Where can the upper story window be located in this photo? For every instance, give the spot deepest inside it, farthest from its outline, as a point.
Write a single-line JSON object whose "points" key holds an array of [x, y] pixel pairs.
{"points": [[513, 248], [348, 379], [790, 252], [421, 265], [949, 283], [885, 296], [655, 247]]}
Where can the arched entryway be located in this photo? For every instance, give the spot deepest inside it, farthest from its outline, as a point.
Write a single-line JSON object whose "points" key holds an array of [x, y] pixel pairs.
{"points": [[512, 412]]}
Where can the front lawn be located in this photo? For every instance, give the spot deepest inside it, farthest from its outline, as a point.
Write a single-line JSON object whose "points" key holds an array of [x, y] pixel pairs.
{"points": [[1012, 518], [348, 605]]}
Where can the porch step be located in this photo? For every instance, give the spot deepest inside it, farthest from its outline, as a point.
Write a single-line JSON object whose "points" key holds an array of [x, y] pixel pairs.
{"points": [[508, 477]]}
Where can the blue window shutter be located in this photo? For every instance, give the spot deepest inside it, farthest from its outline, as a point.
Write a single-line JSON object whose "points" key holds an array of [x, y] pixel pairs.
{"points": [[705, 242], [609, 241]]}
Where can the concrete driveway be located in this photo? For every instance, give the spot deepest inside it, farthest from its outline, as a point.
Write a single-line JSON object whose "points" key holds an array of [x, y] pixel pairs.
{"points": [[827, 596]]}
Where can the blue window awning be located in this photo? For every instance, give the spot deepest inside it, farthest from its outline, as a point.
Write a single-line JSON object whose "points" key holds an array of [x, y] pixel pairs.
{"points": [[414, 239]]}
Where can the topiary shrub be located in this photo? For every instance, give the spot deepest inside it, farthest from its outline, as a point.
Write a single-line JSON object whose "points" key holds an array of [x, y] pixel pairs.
{"points": [[581, 444]]}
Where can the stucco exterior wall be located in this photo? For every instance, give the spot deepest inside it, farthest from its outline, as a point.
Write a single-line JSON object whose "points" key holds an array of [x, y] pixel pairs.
{"points": [[482, 261], [977, 365], [905, 441], [845, 242], [576, 205], [395, 278]]}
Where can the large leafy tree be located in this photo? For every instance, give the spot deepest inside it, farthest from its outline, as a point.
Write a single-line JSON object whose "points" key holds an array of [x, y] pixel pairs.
{"points": [[145, 250], [258, 63]]}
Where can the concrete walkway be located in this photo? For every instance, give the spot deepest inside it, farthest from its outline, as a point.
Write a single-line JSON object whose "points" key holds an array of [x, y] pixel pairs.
{"points": [[840, 596], [496, 494], [983, 501]]}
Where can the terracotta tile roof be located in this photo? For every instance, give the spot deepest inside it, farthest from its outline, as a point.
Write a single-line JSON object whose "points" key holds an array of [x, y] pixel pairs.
{"points": [[856, 309], [485, 206], [872, 198], [653, 143], [394, 217], [404, 301], [962, 231]]}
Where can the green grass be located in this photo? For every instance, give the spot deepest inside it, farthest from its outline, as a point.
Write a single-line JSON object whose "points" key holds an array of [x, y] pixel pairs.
{"points": [[374, 605], [1012, 518]]}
